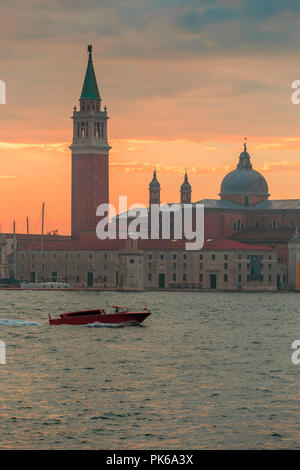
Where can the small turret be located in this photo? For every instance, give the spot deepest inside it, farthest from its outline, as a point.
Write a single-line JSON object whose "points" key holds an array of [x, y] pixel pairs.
{"points": [[154, 190], [185, 191]]}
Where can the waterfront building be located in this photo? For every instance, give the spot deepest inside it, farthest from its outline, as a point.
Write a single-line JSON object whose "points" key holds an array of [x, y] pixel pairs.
{"points": [[246, 233]]}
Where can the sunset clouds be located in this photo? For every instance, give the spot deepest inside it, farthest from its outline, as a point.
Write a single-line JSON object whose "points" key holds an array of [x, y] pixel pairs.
{"points": [[184, 81]]}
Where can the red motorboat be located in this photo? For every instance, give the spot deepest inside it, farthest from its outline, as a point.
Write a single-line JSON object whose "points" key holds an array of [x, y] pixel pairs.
{"points": [[120, 316]]}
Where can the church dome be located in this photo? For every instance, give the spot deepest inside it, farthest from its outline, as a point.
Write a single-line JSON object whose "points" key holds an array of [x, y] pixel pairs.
{"points": [[244, 180]]}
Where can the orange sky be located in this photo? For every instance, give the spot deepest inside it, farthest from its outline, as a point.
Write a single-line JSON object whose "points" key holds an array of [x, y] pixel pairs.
{"points": [[178, 97]]}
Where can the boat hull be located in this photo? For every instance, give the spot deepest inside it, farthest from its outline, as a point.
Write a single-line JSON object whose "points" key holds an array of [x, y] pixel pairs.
{"points": [[122, 318]]}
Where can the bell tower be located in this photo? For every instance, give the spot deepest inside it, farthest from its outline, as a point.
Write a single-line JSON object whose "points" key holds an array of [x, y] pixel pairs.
{"points": [[90, 153]]}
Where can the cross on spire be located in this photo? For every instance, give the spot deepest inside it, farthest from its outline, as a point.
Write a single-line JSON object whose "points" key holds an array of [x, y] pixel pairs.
{"points": [[89, 48]]}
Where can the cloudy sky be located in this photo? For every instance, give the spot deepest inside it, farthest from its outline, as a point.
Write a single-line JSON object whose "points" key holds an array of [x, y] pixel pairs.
{"points": [[184, 82]]}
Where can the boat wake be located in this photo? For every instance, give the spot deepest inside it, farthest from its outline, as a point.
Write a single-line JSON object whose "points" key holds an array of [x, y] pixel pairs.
{"points": [[3, 321], [111, 325]]}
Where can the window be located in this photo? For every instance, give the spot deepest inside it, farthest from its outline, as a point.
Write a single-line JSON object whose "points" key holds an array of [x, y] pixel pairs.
{"points": [[240, 266], [77, 279], [225, 265], [274, 224], [238, 224], [292, 223], [149, 265], [225, 256], [270, 277], [225, 277], [184, 277], [90, 256], [200, 265], [184, 256], [150, 256], [54, 276], [149, 276], [97, 130], [213, 257], [66, 256], [257, 224], [246, 201], [184, 265], [240, 278], [174, 256], [161, 256], [200, 256], [174, 265], [131, 261], [174, 277], [200, 277]]}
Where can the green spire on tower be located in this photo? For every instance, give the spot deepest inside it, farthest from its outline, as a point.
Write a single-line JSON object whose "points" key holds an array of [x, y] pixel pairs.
{"points": [[90, 88]]}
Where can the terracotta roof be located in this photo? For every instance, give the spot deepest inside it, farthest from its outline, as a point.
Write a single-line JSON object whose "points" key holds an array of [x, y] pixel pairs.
{"points": [[227, 244], [209, 244]]}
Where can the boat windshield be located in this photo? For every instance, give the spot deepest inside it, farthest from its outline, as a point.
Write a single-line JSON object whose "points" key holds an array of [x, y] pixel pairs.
{"points": [[81, 314]]}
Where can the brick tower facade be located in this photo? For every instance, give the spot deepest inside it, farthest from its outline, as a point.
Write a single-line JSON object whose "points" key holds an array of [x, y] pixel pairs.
{"points": [[90, 153]]}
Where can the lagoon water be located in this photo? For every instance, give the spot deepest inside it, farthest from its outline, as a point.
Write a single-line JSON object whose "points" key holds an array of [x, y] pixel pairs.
{"points": [[206, 370]]}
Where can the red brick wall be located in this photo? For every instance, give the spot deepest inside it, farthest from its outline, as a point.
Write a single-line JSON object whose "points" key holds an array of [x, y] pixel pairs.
{"points": [[84, 185]]}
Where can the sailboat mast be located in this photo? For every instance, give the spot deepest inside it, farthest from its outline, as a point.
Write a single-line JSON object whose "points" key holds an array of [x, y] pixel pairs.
{"points": [[15, 250], [42, 238]]}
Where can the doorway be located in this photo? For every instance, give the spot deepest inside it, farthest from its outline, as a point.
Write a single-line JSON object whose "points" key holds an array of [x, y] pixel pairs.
{"points": [[161, 280], [278, 282], [213, 281], [90, 279]]}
